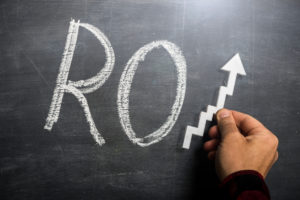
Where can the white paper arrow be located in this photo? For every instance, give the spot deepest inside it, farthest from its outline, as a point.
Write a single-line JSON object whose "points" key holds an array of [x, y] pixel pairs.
{"points": [[234, 66]]}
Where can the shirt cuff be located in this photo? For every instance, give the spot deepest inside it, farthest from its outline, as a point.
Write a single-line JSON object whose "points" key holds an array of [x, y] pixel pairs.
{"points": [[244, 183]]}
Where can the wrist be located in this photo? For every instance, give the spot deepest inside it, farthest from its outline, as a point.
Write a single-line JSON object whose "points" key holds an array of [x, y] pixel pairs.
{"points": [[245, 180]]}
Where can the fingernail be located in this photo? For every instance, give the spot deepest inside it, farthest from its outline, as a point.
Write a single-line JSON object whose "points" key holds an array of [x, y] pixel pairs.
{"points": [[224, 113]]}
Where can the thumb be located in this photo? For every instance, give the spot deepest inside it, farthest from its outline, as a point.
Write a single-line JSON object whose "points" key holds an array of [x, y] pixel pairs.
{"points": [[226, 123]]}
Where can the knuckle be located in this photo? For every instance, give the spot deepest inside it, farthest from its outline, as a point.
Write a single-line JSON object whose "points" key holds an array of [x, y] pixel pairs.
{"points": [[276, 156], [273, 140], [276, 141]]}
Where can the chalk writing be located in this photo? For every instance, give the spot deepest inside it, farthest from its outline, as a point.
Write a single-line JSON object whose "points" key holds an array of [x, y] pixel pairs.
{"points": [[78, 88], [124, 91]]}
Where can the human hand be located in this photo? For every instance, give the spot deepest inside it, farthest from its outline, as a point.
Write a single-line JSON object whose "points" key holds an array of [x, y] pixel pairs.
{"points": [[240, 142]]}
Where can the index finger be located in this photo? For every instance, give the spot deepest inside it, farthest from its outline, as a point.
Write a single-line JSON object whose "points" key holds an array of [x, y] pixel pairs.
{"points": [[248, 124]]}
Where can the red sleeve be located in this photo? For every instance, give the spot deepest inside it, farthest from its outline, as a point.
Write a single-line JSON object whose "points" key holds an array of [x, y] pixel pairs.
{"points": [[245, 185]]}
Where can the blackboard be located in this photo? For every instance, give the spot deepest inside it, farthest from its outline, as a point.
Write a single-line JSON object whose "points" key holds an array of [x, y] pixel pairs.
{"points": [[67, 162]]}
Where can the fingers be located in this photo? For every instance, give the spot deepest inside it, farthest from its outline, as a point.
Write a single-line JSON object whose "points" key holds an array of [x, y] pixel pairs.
{"points": [[211, 155], [214, 132], [211, 145], [226, 123]]}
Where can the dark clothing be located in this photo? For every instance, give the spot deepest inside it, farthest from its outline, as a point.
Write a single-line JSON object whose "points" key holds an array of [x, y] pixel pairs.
{"points": [[245, 185]]}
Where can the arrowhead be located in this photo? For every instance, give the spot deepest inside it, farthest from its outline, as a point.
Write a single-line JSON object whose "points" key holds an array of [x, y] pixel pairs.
{"points": [[235, 65]]}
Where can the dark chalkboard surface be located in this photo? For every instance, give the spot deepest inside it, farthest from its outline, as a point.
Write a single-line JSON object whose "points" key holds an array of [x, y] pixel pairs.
{"points": [[67, 163]]}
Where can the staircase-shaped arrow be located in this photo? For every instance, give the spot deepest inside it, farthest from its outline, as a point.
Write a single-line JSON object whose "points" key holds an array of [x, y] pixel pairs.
{"points": [[234, 67]]}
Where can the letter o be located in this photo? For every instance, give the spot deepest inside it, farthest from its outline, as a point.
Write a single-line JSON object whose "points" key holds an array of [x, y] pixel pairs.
{"points": [[125, 86]]}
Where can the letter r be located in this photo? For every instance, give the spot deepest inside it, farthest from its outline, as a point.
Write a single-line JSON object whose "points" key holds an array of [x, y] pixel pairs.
{"points": [[78, 88]]}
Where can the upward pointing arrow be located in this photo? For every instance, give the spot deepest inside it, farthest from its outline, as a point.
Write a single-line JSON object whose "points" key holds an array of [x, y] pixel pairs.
{"points": [[234, 66]]}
